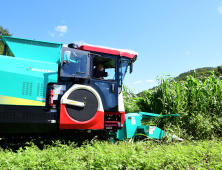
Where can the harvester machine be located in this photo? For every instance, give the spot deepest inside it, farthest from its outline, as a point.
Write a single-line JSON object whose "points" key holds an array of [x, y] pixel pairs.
{"points": [[50, 90]]}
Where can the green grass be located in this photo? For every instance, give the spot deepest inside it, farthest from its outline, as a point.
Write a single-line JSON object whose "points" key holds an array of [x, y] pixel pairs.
{"points": [[124, 155], [198, 101]]}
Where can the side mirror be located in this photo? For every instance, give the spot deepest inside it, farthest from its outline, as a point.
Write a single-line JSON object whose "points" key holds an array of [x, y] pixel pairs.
{"points": [[131, 68]]}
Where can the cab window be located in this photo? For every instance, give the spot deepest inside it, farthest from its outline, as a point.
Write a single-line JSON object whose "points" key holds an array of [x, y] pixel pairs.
{"points": [[104, 68], [74, 63], [124, 62]]}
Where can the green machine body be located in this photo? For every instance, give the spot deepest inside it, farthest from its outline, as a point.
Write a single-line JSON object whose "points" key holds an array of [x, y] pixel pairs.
{"points": [[26, 69], [132, 126]]}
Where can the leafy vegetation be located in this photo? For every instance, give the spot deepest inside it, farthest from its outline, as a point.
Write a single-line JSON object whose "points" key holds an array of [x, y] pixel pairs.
{"points": [[200, 72], [4, 32], [198, 101], [205, 71], [124, 155]]}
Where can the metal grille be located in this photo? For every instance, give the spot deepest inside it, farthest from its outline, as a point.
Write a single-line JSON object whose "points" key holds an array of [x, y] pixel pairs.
{"points": [[37, 116], [30, 89], [7, 115], [39, 89], [27, 88]]}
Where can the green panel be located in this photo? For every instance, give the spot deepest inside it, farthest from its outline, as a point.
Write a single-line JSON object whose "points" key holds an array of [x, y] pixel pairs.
{"points": [[24, 82], [34, 50], [121, 134], [152, 131], [132, 120]]}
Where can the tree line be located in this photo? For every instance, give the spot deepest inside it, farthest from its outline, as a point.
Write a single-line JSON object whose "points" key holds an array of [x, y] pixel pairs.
{"points": [[4, 32]]}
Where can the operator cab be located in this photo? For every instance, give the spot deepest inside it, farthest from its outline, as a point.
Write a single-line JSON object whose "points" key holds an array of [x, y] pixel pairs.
{"points": [[82, 63]]}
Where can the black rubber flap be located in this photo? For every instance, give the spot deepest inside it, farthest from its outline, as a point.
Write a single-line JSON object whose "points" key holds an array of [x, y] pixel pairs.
{"points": [[82, 113]]}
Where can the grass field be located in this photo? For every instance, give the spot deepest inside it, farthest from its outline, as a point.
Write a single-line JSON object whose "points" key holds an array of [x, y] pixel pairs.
{"points": [[122, 155]]}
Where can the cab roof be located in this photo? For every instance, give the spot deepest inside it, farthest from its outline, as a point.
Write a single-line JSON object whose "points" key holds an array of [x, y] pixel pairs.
{"points": [[125, 53]]}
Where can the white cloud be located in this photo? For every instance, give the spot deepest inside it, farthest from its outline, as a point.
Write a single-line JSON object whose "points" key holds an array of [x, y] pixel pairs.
{"points": [[187, 52], [136, 82], [150, 81], [220, 10], [61, 29], [52, 34], [61, 34]]}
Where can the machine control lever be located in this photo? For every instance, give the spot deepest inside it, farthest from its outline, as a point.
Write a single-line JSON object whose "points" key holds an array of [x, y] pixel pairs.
{"points": [[113, 88], [72, 102]]}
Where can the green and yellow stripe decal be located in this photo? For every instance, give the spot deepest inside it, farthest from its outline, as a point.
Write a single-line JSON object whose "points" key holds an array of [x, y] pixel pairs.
{"points": [[6, 100]]}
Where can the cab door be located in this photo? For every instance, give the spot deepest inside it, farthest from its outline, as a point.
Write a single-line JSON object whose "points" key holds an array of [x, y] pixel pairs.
{"points": [[108, 86]]}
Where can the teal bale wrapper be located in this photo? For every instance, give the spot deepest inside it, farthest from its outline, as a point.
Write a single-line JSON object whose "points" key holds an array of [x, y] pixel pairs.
{"points": [[132, 127]]}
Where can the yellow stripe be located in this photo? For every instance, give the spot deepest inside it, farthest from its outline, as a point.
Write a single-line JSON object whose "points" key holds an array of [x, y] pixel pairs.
{"points": [[72, 102], [18, 101]]}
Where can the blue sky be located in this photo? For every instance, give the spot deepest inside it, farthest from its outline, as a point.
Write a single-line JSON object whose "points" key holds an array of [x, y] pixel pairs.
{"points": [[170, 36]]}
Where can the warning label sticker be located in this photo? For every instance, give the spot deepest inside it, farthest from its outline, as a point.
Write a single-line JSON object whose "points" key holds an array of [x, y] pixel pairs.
{"points": [[133, 121], [58, 89], [151, 129]]}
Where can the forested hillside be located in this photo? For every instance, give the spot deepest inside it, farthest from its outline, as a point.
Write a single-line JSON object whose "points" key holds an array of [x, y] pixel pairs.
{"points": [[200, 72]]}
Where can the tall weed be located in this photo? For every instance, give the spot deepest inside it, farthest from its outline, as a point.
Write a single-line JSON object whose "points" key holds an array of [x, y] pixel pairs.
{"points": [[197, 101]]}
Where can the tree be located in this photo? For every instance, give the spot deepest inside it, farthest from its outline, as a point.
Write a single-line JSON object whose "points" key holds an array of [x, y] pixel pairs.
{"points": [[4, 32]]}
